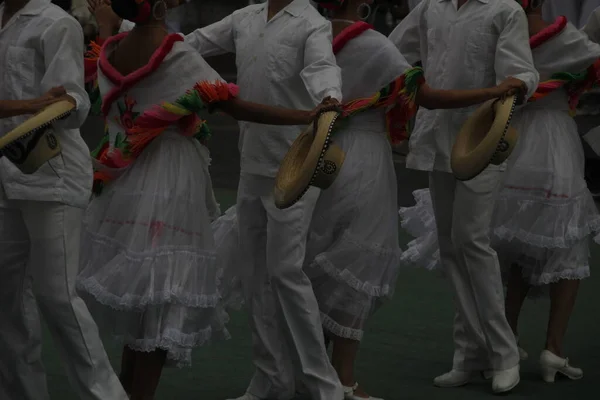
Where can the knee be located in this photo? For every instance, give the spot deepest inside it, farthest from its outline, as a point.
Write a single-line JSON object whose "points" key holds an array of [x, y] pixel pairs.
{"points": [[465, 240]]}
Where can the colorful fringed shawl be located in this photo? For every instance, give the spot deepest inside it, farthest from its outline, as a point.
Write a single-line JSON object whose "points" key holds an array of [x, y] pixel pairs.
{"points": [[142, 128], [574, 84], [397, 97]]}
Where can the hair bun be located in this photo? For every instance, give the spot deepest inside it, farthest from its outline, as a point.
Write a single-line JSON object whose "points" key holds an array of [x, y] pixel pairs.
{"points": [[137, 11]]}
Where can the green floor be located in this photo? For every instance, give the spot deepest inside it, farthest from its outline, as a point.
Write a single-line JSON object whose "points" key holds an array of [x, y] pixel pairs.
{"points": [[408, 342]]}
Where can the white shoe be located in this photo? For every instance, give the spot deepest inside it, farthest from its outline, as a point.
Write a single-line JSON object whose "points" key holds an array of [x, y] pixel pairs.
{"points": [[523, 354], [349, 394], [452, 379], [551, 364], [505, 381], [246, 396]]}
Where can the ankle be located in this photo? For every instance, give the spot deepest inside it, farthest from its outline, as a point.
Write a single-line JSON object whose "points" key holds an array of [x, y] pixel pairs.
{"points": [[554, 350]]}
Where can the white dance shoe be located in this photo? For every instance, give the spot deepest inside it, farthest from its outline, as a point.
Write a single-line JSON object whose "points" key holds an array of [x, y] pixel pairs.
{"points": [[457, 378], [505, 381], [552, 364], [523, 354], [349, 394]]}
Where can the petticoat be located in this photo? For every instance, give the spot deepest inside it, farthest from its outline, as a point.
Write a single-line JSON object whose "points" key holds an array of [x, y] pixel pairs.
{"points": [[148, 263], [544, 215], [353, 255]]}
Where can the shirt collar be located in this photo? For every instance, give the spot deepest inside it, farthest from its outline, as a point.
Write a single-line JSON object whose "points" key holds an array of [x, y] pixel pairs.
{"points": [[295, 8]]}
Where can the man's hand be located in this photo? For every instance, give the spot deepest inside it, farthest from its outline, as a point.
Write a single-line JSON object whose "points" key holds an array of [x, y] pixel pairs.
{"points": [[328, 104], [511, 87], [108, 22]]}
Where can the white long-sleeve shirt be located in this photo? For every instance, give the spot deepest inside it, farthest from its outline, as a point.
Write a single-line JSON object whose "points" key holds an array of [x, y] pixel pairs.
{"points": [[477, 46], [42, 47], [287, 61]]}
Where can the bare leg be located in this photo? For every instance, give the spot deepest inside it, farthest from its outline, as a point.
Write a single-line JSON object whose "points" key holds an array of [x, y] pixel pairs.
{"points": [[516, 293], [148, 368], [327, 339], [127, 369], [343, 359], [562, 300]]}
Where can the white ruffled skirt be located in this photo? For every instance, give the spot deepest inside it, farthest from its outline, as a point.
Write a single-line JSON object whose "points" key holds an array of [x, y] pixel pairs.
{"points": [[148, 263], [544, 215], [353, 255]]}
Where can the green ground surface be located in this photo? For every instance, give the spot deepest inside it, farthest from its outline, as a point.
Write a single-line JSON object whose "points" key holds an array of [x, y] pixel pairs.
{"points": [[408, 342]]}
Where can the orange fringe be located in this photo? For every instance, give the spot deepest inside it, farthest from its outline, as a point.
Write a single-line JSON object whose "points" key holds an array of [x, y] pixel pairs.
{"points": [[213, 92]]}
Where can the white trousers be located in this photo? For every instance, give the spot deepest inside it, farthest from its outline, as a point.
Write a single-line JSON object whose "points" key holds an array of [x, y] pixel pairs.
{"points": [[284, 314], [39, 261], [463, 210]]}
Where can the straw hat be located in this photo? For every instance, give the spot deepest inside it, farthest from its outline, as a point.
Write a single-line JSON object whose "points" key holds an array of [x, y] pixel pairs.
{"points": [[32, 143], [313, 160], [486, 138]]}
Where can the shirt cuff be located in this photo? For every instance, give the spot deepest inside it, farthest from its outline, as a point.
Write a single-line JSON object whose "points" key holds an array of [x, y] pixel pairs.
{"points": [[333, 93], [532, 80]]}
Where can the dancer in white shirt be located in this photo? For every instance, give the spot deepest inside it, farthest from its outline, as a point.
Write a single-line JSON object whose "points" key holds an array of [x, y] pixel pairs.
{"points": [[467, 44], [41, 214]]}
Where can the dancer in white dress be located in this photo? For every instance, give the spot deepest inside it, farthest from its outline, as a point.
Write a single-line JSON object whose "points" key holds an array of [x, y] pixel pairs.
{"points": [[544, 215], [148, 265]]}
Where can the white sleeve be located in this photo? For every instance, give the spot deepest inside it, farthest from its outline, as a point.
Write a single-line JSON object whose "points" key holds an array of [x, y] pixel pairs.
{"points": [[513, 52], [321, 74], [63, 48], [214, 39], [569, 51], [407, 36], [592, 28], [126, 26]]}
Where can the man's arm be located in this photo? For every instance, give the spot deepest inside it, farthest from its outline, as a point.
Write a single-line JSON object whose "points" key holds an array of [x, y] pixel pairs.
{"points": [[214, 39], [407, 35], [63, 48], [513, 52], [321, 75]]}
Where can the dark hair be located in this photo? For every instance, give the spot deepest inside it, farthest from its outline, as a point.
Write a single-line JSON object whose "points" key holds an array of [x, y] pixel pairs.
{"points": [[126, 9], [64, 4]]}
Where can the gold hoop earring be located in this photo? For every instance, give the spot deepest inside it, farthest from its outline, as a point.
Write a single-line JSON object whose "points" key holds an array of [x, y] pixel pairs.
{"points": [[159, 13]]}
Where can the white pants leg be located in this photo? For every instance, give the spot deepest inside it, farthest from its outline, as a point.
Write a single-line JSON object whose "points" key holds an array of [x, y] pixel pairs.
{"points": [[472, 267], [22, 375], [284, 310], [54, 231]]}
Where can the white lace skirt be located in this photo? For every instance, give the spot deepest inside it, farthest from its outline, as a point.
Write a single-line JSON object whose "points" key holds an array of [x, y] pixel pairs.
{"points": [[353, 254], [544, 214], [148, 265]]}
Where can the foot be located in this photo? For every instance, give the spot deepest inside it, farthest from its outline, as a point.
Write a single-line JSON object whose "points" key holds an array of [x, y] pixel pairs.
{"points": [[552, 364], [355, 393], [523, 354], [247, 396], [452, 379], [505, 381]]}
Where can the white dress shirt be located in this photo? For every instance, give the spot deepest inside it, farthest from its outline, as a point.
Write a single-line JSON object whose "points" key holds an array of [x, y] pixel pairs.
{"points": [[287, 61], [41, 47], [477, 46]]}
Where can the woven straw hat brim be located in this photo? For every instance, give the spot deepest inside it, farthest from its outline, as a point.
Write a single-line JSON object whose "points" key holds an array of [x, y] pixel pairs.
{"points": [[39, 121], [482, 138], [299, 166]]}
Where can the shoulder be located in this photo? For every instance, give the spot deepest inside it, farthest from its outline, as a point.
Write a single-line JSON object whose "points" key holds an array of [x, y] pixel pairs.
{"points": [[312, 20], [185, 61], [54, 18], [247, 11], [376, 48], [507, 9]]}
